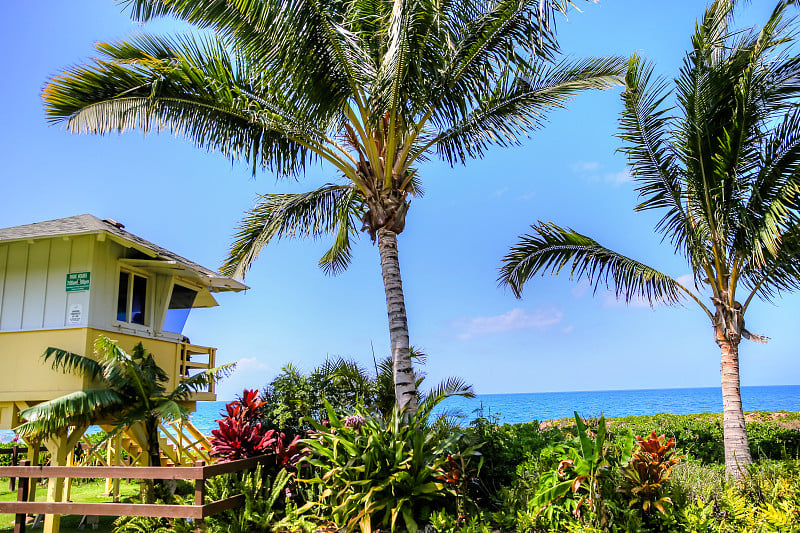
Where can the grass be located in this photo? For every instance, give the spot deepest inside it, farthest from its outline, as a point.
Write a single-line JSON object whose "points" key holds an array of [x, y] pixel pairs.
{"points": [[82, 491]]}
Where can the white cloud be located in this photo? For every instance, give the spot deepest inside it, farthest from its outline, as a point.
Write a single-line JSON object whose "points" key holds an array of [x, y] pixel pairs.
{"points": [[591, 171], [618, 178], [568, 329], [580, 289], [583, 167], [249, 364], [250, 373], [500, 192], [515, 319]]}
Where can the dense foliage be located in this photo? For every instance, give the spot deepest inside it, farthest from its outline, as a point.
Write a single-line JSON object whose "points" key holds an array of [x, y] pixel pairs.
{"points": [[359, 469], [294, 399], [383, 473], [700, 435]]}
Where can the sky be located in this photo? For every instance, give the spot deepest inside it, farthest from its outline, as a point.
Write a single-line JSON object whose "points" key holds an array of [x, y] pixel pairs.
{"points": [[559, 337]]}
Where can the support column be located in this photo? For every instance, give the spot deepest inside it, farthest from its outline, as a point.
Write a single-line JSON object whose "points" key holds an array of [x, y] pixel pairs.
{"points": [[33, 456], [60, 447]]}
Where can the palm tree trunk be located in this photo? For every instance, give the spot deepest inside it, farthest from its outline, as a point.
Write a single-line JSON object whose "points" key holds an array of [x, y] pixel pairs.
{"points": [[737, 447], [405, 388], [154, 457]]}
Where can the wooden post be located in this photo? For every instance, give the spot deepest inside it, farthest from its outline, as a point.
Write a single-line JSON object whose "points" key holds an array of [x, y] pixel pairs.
{"points": [[68, 481], [117, 456], [33, 457], [200, 497], [22, 496], [12, 481], [109, 458]]}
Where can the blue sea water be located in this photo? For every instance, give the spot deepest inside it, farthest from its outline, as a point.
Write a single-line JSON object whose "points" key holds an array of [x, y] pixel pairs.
{"points": [[516, 408]]}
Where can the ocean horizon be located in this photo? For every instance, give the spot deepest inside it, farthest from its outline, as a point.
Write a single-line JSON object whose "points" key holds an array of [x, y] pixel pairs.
{"points": [[514, 408]]}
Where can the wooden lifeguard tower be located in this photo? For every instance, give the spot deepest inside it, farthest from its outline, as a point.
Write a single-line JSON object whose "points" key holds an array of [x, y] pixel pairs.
{"points": [[64, 282]]}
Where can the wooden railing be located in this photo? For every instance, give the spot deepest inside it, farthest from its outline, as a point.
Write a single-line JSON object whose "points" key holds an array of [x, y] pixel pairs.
{"points": [[199, 473], [14, 452], [195, 357]]}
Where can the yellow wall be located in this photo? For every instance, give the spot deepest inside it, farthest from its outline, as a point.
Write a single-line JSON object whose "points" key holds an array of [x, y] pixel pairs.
{"points": [[26, 377]]}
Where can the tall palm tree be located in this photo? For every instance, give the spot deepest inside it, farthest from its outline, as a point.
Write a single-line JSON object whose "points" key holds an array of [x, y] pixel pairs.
{"points": [[372, 88], [129, 389], [725, 170]]}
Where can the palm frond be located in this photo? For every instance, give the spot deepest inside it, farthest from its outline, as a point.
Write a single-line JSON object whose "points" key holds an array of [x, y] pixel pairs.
{"points": [[644, 127], [170, 410], [72, 362], [200, 381], [550, 248], [80, 408], [331, 209], [727, 94], [452, 386], [487, 34], [194, 89], [772, 208], [774, 273], [519, 104]]}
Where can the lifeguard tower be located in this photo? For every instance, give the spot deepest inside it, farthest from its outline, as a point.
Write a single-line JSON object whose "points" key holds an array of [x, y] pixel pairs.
{"points": [[65, 282]]}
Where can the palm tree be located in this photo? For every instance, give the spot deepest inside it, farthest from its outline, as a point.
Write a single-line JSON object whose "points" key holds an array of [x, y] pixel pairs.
{"points": [[725, 170], [370, 88], [130, 390]]}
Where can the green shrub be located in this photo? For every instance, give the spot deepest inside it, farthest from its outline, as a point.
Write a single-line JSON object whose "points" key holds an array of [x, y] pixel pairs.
{"points": [[264, 501], [700, 435], [767, 499], [571, 482], [505, 447], [381, 473]]}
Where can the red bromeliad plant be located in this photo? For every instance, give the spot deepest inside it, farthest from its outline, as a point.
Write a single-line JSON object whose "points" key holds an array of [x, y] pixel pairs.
{"points": [[648, 471], [240, 434], [238, 439], [287, 456]]}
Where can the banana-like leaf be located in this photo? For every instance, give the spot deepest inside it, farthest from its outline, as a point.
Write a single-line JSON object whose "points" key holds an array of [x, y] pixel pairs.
{"points": [[80, 408]]}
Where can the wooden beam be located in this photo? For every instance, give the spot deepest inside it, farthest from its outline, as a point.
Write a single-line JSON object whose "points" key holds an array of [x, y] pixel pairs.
{"points": [[133, 472], [197, 512]]}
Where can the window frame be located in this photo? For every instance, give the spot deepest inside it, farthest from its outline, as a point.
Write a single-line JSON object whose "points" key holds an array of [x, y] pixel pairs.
{"points": [[148, 297]]}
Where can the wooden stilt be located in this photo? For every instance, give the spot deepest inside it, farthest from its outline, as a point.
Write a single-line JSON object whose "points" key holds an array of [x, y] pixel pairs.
{"points": [[60, 448], [117, 458], [109, 456]]}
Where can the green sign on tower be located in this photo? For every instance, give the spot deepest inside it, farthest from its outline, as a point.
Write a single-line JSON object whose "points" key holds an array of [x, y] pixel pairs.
{"points": [[78, 281]]}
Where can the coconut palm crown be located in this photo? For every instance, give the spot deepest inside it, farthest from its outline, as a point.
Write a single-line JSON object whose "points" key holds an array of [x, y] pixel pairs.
{"points": [[723, 167], [371, 88]]}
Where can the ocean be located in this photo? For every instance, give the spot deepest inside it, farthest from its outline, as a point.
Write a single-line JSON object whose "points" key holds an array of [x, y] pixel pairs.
{"points": [[516, 408]]}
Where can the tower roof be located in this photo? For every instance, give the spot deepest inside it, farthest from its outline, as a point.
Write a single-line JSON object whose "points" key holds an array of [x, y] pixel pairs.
{"points": [[89, 224]]}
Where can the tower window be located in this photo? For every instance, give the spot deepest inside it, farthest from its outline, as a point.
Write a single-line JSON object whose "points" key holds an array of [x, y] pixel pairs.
{"points": [[132, 298]]}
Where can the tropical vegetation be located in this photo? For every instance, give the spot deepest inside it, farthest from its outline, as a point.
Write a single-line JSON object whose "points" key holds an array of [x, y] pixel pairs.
{"points": [[129, 390], [723, 168], [372, 89], [357, 468], [293, 400]]}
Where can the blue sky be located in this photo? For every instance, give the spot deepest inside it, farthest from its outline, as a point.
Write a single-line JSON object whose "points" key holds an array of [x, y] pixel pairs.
{"points": [[558, 337]]}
